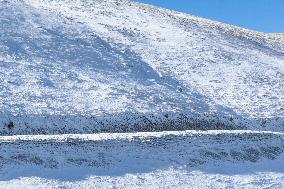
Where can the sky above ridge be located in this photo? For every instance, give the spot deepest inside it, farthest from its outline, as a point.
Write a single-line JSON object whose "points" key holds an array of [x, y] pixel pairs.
{"points": [[260, 15]]}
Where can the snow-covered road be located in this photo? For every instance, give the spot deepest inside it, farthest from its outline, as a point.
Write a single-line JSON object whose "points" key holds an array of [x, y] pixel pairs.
{"points": [[131, 136]]}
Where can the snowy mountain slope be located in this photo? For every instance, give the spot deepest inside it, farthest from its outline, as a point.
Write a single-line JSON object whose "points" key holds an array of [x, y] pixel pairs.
{"points": [[90, 66], [86, 161], [80, 66], [278, 36]]}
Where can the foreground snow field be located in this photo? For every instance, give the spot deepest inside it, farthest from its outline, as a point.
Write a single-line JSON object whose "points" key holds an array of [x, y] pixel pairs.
{"points": [[118, 94], [185, 159]]}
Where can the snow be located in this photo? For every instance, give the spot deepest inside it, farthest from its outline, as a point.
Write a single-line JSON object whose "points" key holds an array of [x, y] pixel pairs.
{"points": [[233, 159], [163, 179], [96, 63], [129, 136], [119, 94]]}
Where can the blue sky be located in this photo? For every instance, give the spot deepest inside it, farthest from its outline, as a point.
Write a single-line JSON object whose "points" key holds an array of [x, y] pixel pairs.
{"points": [[260, 15]]}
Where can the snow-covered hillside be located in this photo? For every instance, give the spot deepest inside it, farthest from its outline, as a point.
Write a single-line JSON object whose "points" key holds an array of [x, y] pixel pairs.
{"points": [[87, 66], [79, 78], [278, 35]]}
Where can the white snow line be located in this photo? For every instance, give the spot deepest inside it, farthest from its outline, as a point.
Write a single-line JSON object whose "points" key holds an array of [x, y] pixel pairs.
{"points": [[129, 136]]}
